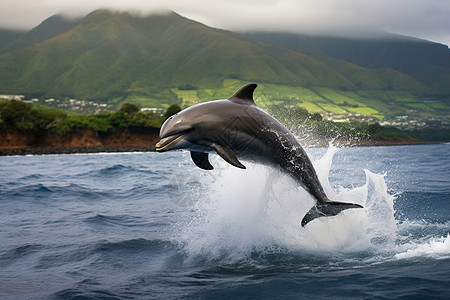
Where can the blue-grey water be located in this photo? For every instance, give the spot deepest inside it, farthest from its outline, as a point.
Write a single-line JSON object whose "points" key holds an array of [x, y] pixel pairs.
{"points": [[153, 226]]}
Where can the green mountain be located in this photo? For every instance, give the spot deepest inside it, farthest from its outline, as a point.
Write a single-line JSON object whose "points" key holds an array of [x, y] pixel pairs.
{"points": [[158, 60], [426, 61], [7, 36], [48, 29]]}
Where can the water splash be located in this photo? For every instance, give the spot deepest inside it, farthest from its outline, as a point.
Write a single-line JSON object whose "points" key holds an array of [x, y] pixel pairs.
{"points": [[259, 209]]}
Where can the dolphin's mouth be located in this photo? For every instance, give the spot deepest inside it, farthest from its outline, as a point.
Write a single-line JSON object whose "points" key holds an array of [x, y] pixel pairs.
{"points": [[162, 145]]}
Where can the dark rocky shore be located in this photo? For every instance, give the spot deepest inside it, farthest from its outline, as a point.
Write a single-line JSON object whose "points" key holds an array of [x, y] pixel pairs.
{"points": [[73, 150]]}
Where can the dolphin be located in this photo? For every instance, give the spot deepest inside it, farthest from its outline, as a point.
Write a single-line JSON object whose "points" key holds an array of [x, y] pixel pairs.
{"points": [[237, 129]]}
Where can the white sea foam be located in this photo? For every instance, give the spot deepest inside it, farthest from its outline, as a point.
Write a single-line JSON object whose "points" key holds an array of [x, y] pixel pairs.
{"points": [[436, 248]]}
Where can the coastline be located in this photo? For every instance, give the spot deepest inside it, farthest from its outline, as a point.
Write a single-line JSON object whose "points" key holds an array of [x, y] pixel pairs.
{"points": [[136, 139], [46, 150], [73, 150]]}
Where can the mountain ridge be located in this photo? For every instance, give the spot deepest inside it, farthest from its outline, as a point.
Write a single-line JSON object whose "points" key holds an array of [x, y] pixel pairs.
{"points": [[50, 27], [411, 56], [162, 59]]}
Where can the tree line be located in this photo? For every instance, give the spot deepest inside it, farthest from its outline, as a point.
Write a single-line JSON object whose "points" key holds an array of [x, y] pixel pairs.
{"points": [[26, 116]]}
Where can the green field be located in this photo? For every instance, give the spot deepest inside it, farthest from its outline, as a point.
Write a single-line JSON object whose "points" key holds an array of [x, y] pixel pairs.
{"points": [[336, 109], [378, 104]]}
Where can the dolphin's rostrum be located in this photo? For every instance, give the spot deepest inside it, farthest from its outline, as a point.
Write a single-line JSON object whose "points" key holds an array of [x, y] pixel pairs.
{"points": [[237, 129]]}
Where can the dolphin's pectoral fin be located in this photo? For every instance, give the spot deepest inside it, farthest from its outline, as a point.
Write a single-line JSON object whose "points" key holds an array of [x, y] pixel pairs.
{"points": [[201, 160], [327, 209], [228, 155]]}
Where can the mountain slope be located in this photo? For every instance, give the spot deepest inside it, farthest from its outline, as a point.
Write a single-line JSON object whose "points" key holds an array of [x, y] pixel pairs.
{"points": [[7, 36], [426, 61], [159, 60], [49, 28]]}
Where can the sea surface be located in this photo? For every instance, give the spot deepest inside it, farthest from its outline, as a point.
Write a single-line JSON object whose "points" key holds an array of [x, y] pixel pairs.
{"points": [[154, 226]]}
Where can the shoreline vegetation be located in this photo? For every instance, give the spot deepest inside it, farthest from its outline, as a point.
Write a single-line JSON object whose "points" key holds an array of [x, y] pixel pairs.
{"points": [[27, 129]]}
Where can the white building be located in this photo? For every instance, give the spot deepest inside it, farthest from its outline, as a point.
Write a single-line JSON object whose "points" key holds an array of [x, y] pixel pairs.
{"points": [[12, 97]]}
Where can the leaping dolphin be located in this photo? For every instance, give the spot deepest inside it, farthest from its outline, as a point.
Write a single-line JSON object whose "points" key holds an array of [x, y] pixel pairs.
{"points": [[236, 128]]}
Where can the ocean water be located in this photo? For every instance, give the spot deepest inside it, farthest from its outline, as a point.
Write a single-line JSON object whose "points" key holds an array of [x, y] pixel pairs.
{"points": [[153, 226]]}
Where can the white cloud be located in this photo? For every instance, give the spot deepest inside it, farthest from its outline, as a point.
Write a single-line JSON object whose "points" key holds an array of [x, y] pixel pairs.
{"points": [[428, 19]]}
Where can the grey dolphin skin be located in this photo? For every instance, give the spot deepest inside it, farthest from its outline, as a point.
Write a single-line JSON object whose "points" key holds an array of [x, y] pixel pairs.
{"points": [[237, 129]]}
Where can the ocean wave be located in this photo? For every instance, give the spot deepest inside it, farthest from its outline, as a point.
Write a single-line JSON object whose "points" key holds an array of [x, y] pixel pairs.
{"points": [[121, 169], [19, 253], [115, 170], [134, 245], [438, 248], [417, 230], [117, 220], [31, 177], [82, 292], [38, 190]]}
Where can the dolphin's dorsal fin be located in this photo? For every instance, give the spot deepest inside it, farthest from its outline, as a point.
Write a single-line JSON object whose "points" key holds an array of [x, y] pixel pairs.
{"points": [[201, 160], [228, 155], [244, 95]]}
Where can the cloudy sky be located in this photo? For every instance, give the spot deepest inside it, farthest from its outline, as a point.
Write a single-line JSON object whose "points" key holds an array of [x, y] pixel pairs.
{"points": [[427, 19]]}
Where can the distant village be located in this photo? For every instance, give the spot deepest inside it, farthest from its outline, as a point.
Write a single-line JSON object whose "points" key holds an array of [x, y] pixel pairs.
{"points": [[399, 121], [85, 107], [90, 107]]}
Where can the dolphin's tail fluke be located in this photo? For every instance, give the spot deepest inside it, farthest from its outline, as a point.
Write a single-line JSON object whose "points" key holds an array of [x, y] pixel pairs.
{"points": [[327, 209]]}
